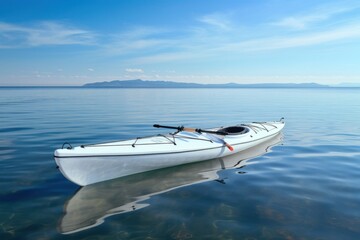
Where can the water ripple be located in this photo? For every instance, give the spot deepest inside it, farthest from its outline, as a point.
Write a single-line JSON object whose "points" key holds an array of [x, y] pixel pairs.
{"points": [[307, 188]]}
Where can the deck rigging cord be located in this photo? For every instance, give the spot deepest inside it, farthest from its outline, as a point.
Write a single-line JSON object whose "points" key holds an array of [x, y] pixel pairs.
{"points": [[171, 137], [198, 130]]}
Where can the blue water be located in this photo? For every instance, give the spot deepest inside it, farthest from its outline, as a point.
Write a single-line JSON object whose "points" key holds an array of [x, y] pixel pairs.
{"points": [[306, 187]]}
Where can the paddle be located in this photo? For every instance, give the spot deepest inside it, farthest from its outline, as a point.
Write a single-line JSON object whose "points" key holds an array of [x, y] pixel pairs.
{"points": [[198, 130]]}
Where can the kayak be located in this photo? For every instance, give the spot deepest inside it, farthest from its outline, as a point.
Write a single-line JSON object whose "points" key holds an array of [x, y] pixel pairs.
{"points": [[88, 164]]}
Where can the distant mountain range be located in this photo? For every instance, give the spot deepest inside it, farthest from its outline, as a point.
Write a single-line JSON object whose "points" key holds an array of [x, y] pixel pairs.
{"points": [[138, 83]]}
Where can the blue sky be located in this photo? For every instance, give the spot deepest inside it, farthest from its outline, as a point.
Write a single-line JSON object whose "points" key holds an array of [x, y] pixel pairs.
{"points": [[66, 42]]}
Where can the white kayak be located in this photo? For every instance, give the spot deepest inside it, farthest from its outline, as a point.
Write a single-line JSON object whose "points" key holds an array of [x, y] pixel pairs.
{"points": [[88, 164]]}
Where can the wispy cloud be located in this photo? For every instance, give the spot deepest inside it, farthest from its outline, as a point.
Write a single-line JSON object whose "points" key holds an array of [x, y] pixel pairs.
{"points": [[211, 35], [351, 31], [144, 44], [323, 13], [138, 40], [200, 42], [218, 20], [43, 33], [297, 23]]}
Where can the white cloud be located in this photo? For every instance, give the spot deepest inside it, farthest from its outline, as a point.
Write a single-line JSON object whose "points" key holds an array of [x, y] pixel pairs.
{"points": [[91, 69], [200, 42], [138, 40], [43, 33], [299, 22], [212, 35], [293, 22], [309, 39], [168, 57], [217, 20], [134, 70]]}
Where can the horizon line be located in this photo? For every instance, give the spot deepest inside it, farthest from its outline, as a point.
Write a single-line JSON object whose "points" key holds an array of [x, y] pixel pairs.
{"points": [[197, 85]]}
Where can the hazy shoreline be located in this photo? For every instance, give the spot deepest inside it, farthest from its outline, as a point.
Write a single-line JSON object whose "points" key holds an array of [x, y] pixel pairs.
{"points": [[146, 84]]}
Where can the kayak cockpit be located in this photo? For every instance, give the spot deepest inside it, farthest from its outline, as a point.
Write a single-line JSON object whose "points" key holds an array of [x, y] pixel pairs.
{"points": [[233, 130]]}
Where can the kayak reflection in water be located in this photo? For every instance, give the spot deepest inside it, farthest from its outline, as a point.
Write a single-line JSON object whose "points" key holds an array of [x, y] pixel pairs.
{"points": [[91, 204]]}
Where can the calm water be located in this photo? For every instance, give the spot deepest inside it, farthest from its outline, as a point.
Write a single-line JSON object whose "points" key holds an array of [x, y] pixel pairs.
{"points": [[305, 187]]}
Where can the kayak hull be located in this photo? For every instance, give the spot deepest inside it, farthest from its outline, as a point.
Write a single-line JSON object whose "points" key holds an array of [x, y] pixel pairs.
{"points": [[90, 164]]}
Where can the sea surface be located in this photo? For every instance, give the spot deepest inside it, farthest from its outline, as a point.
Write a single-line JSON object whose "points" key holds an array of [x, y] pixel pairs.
{"points": [[303, 185]]}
